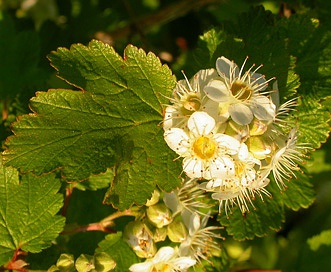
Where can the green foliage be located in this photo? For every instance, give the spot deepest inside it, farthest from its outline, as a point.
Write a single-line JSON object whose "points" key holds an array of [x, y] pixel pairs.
{"points": [[120, 106], [28, 210], [103, 139]]}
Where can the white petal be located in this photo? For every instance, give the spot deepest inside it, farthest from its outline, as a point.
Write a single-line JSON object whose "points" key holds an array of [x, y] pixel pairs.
{"points": [[202, 78], [193, 167], [211, 107], [168, 120], [241, 114], [220, 168], [263, 108], [275, 94], [223, 66], [164, 254], [243, 153], [171, 201], [259, 82], [231, 144], [201, 123], [141, 267], [183, 263], [177, 140], [217, 90]]}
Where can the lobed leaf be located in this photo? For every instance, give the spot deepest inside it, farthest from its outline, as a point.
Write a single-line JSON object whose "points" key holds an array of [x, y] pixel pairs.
{"points": [[267, 215], [28, 210], [85, 132], [300, 192]]}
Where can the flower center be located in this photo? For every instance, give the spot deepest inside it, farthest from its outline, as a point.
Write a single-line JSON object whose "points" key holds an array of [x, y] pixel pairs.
{"points": [[241, 90], [190, 104], [204, 148], [161, 268]]}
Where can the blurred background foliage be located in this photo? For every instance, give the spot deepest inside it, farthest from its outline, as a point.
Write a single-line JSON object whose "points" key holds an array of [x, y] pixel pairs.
{"points": [[31, 29]]}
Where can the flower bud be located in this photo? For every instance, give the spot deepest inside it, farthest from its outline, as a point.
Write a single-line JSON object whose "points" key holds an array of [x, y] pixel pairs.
{"points": [[237, 131], [154, 199], [159, 234], [65, 263], [85, 263], [159, 215], [139, 237], [260, 147], [103, 262], [257, 128], [176, 232]]}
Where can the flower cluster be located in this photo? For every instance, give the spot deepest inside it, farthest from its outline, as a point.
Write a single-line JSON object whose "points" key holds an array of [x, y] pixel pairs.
{"points": [[231, 132]]}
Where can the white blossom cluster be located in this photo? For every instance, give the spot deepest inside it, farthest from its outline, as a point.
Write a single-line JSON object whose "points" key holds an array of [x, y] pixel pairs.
{"points": [[231, 133]]}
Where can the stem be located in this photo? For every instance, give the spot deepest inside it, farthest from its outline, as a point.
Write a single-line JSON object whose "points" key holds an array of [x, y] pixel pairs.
{"points": [[164, 16], [104, 225], [69, 190]]}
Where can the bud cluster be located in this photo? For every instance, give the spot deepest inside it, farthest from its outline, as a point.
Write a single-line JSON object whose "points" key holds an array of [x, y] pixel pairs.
{"points": [[178, 218]]}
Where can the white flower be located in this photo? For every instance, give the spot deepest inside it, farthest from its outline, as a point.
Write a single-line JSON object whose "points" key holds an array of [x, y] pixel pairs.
{"points": [[206, 154], [239, 93], [284, 163], [201, 240], [188, 98], [165, 260], [246, 183], [231, 194]]}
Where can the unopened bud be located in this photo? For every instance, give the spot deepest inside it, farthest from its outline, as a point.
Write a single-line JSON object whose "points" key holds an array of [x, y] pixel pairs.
{"points": [[139, 237], [159, 215], [103, 262], [85, 263], [257, 128], [66, 262], [160, 234], [176, 232], [260, 147], [237, 131]]}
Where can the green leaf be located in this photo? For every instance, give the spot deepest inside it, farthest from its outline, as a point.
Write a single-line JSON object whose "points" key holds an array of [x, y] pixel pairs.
{"points": [[96, 182], [119, 250], [324, 238], [300, 192], [267, 216], [113, 121], [28, 213], [313, 122]]}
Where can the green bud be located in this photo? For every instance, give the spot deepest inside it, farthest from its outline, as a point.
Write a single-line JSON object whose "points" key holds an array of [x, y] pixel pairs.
{"points": [[257, 128], [54, 268], [176, 232], [85, 263], [103, 262], [140, 238], [159, 215], [159, 234], [154, 199], [260, 147], [65, 263], [237, 131]]}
